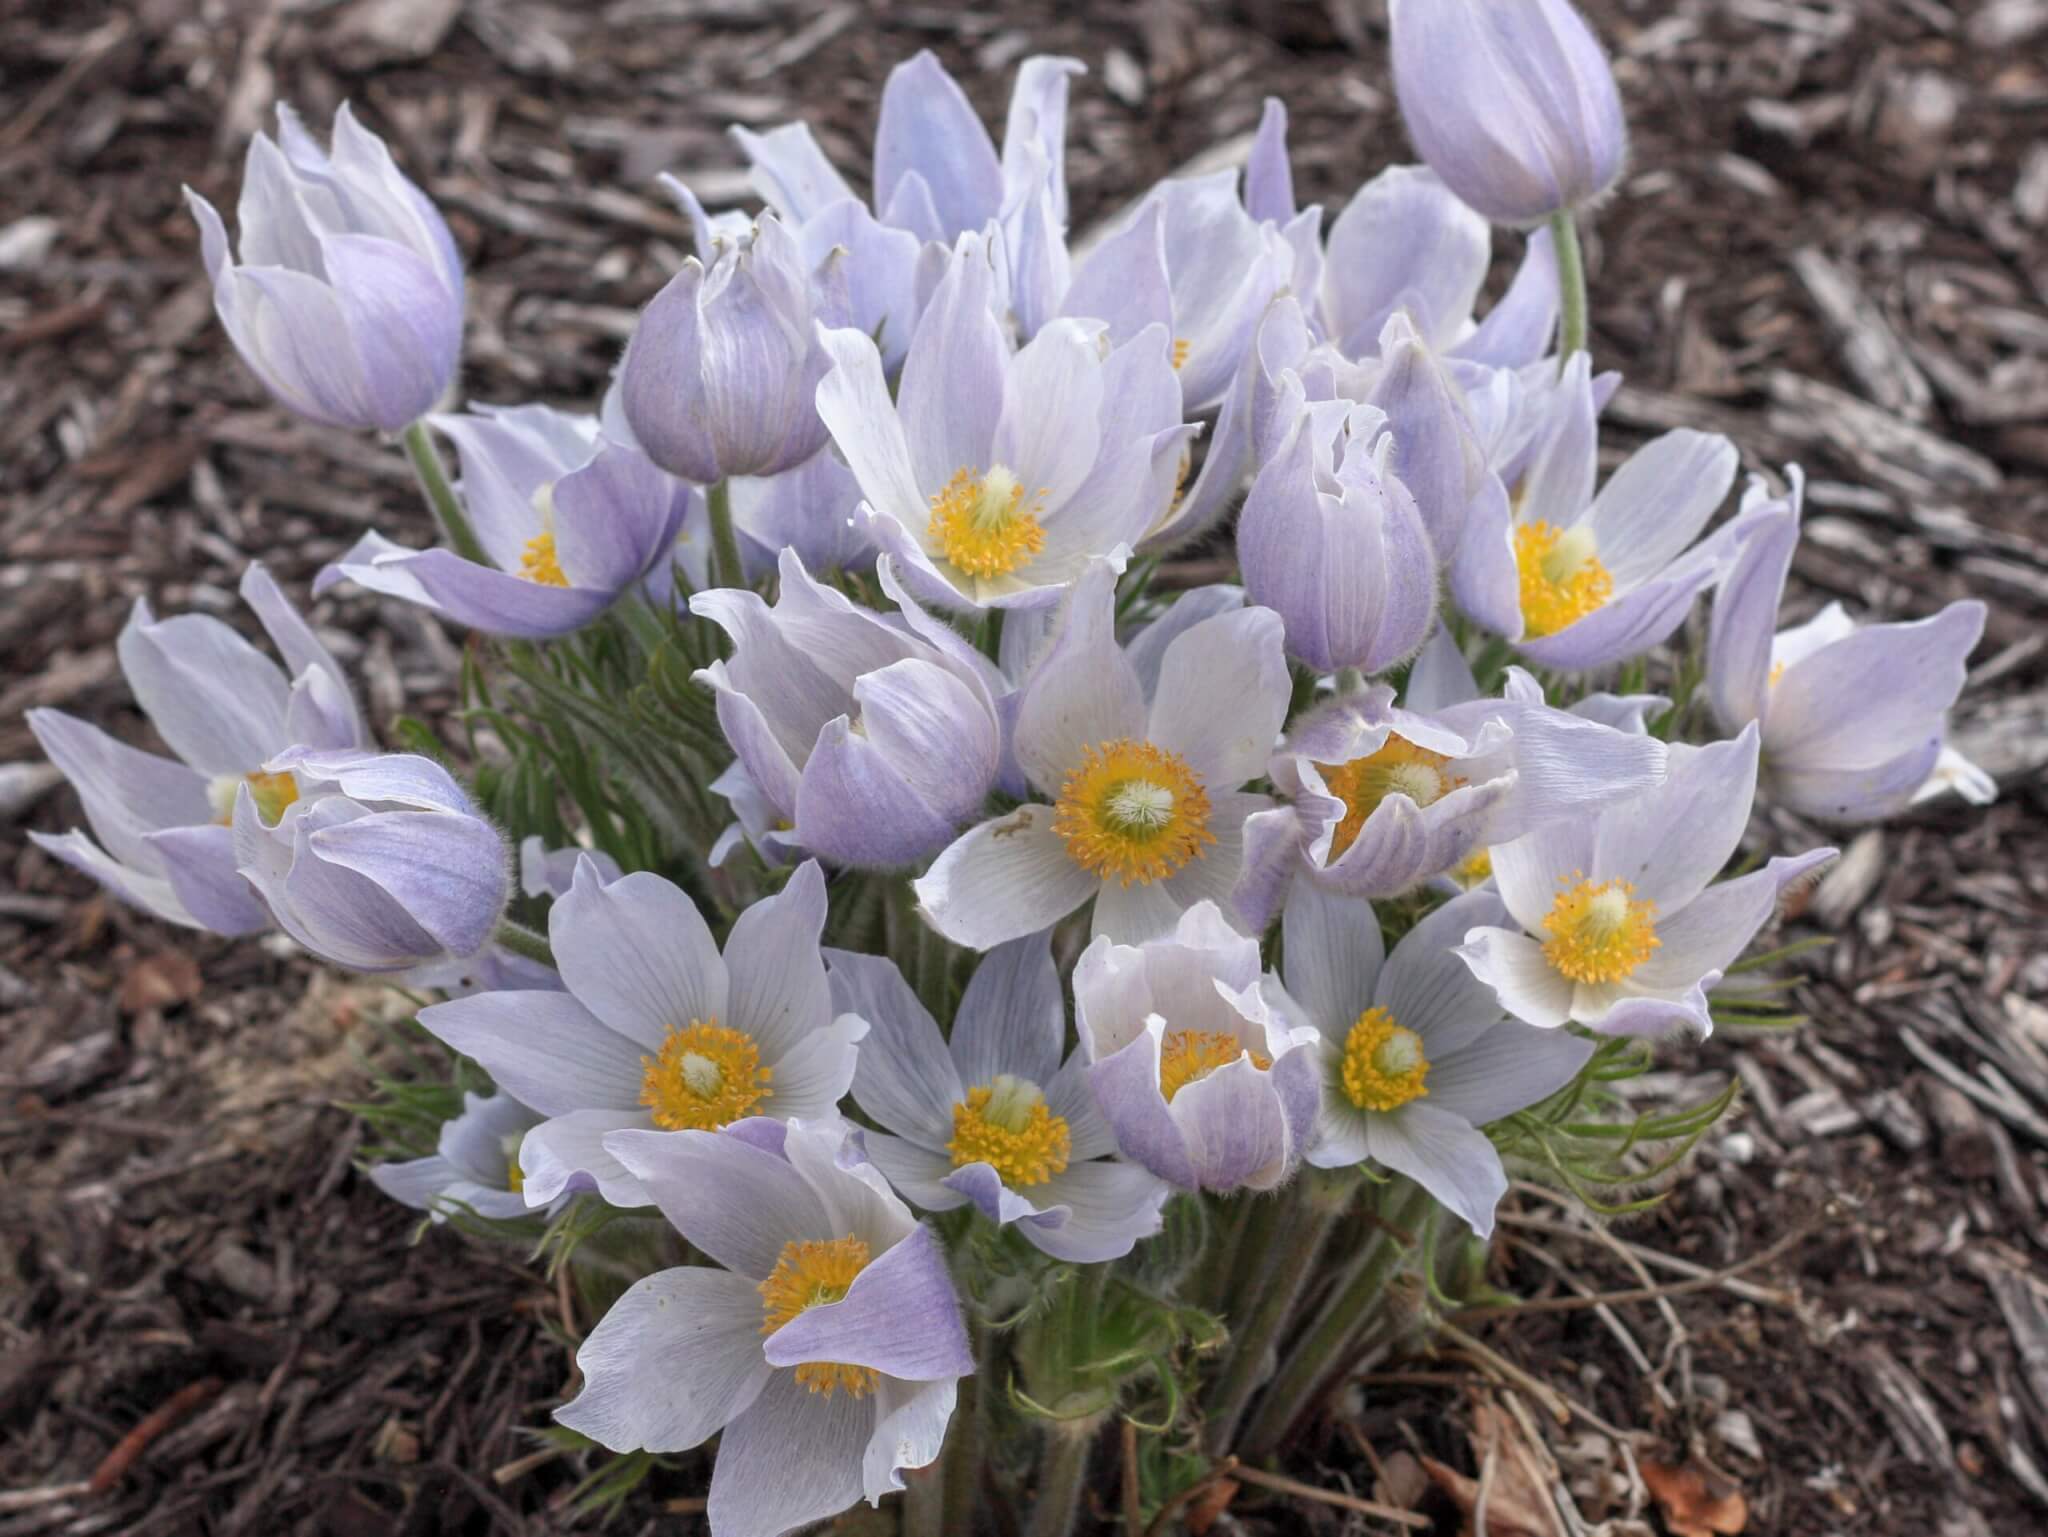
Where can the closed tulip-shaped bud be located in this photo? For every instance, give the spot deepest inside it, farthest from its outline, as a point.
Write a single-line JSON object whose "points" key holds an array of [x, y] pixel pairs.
{"points": [[345, 297], [1511, 102], [720, 374]]}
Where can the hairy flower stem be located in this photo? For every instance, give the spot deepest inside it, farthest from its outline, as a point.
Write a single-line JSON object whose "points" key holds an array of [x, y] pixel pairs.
{"points": [[1571, 285], [433, 479], [727, 570], [523, 941], [1401, 1209], [1349, 681], [924, 1499], [1321, 1197], [965, 1446], [1062, 1474]]}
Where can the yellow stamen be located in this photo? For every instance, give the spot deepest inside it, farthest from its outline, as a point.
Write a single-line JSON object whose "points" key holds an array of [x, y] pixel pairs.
{"points": [[1133, 812], [271, 792], [1187, 1056], [808, 1274], [1475, 870], [539, 564], [1180, 352], [1561, 575], [982, 524], [705, 1077], [1599, 931], [1777, 672], [1398, 768], [1007, 1125], [515, 1177], [1384, 1066]]}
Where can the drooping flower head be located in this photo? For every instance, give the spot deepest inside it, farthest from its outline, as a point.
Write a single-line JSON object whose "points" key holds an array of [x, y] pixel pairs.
{"points": [[823, 1344], [992, 1116], [474, 1169], [225, 710], [1141, 774], [346, 299], [1417, 1055], [657, 1028]]}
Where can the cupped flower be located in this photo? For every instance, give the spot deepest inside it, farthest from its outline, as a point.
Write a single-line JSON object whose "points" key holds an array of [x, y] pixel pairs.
{"points": [[1416, 1053], [657, 1029], [874, 736], [160, 826], [1511, 102], [345, 297], [1196, 1059], [992, 1117], [1141, 774], [373, 861], [823, 1344], [1853, 717], [721, 370], [567, 519], [994, 476], [1623, 926], [474, 1169]]}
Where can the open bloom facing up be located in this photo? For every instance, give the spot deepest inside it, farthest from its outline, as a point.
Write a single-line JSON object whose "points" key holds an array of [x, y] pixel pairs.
{"points": [[1853, 719], [346, 300], [1146, 814], [874, 736], [376, 861], [1199, 1066], [474, 1169], [568, 520], [225, 710], [1416, 1053], [992, 1116], [823, 1344], [1510, 101], [657, 1029], [993, 477], [1621, 929]]}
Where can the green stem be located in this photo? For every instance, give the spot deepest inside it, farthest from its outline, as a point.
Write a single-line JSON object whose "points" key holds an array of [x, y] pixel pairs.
{"points": [[1225, 1240], [523, 941], [1571, 286], [726, 568], [1349, 681], [1063, 1473], [433, 479], [924, 1500], [1318, 1351], [963, 1454], [1323, 1196]]}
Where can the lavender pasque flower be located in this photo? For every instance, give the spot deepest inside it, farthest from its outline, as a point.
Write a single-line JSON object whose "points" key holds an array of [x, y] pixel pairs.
{"points": [[473, 1169]]}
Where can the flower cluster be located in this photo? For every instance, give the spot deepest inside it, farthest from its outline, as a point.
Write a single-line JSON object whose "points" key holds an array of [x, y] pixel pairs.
{"points": [[933, 901]]}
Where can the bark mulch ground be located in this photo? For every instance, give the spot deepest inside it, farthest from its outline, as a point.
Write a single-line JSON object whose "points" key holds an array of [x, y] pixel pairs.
{"points": [[1831, 245]]}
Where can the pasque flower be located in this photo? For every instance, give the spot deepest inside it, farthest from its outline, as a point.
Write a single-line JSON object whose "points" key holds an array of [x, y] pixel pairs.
{"points": [[1853, 718], [657, 1029], [991, 1116], [568, 520], [875, 737], [1146, 811], [823, 1344], [1511, 102], [225, 710], [474, 1168], [1200, 1065], [345, 297], [1416, 1053], [1623, 927]]}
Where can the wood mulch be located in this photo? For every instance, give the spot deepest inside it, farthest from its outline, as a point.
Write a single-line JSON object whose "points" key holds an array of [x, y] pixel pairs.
{"points": [[1833, 244]]}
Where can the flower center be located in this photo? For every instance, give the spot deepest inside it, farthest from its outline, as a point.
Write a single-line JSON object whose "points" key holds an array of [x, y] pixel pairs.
{"points": [[1181, 345], [1398, 768], [1561, 576], [1187, 1056], [1476, 869], [538, 563], [982, 523], [1007, 1125], [1777, 672], [1132, 812], [705, 1076], [1384, 1066], [808, 1274], [271, 792], [515, 1177], [1599, 931]]}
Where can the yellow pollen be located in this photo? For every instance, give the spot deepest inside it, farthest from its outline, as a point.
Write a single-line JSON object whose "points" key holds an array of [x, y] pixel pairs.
{"points": [[1562, 578], [982, 524], [705, 1077], [1476, 869], [1007, 1125], [1133, 812], [272, 794], [808, 1274], [1777, 672], [1599, 931], [539, 564], [1180, 352], [1384, 1066], [1180, 480], [1187, 1056], [515, 1177], [1398, 768]]}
